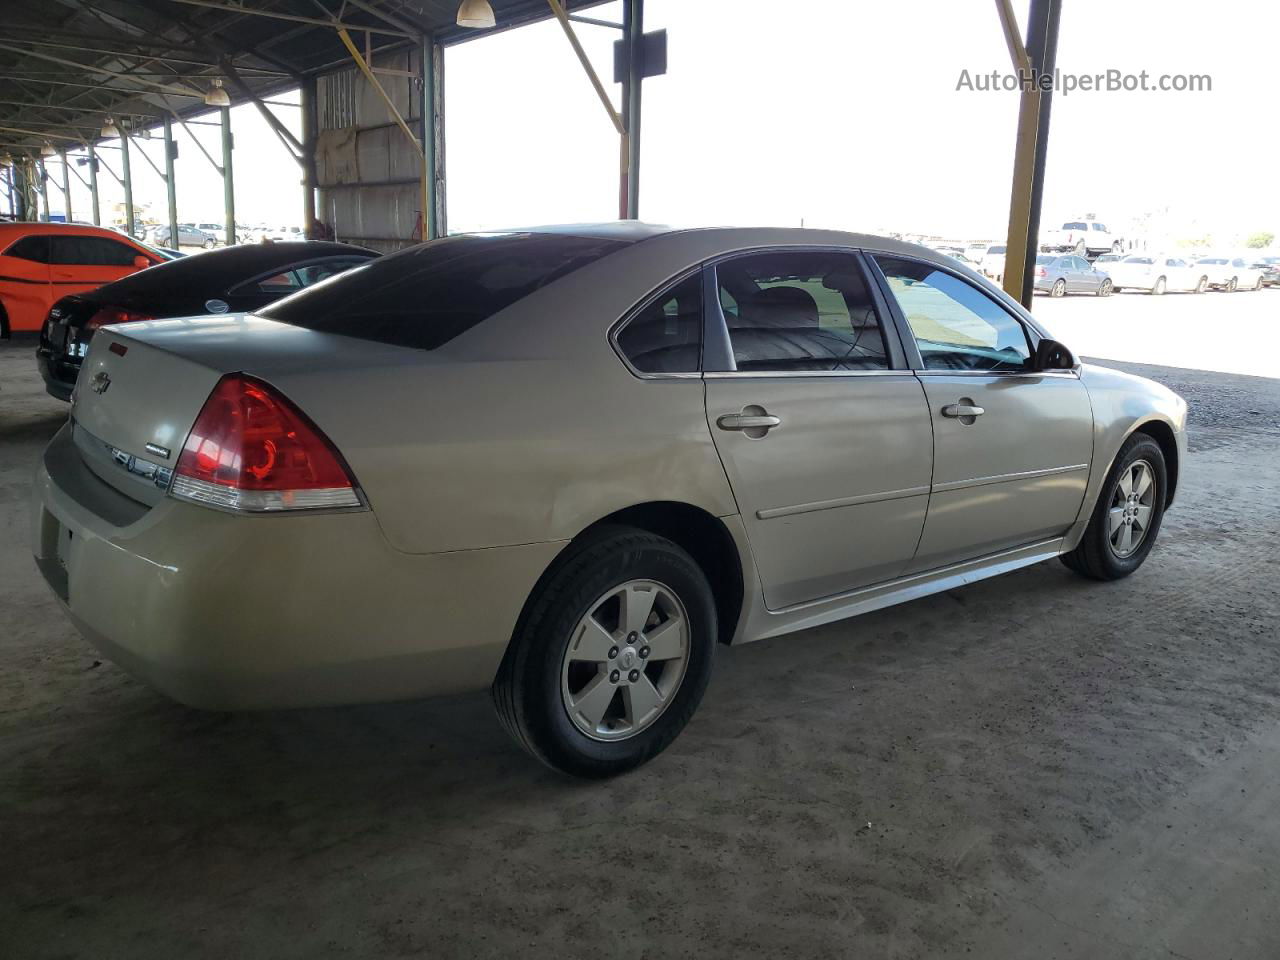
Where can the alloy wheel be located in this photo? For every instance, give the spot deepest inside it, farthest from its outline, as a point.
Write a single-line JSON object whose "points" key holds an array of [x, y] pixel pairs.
{"points": [[1132, 505], [626, 659]]}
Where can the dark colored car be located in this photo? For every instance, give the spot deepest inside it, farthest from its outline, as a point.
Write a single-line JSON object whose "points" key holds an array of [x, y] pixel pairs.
{"points": [[231, 280], [1270, 267]]}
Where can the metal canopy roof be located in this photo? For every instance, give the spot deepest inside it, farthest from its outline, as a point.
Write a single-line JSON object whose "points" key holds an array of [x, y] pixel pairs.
{"points": [[66, 65]]}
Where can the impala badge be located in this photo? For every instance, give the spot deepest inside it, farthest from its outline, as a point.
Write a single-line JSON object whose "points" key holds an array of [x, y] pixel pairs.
{"points": [[158, 450], [100, 382]]}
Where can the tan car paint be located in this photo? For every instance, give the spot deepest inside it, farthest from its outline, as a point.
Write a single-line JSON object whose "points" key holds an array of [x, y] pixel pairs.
{"points": [[480, 461], [1014, 475], [833, 497]]}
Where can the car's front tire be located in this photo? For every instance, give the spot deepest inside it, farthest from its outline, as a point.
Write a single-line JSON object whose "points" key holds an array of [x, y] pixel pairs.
{"points": [[1058, 289], [611, 656], [1126, 518]]}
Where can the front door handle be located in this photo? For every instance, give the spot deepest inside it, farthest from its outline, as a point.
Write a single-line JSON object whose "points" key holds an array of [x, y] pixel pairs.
{"points": [[962, 410], [754, 421]]}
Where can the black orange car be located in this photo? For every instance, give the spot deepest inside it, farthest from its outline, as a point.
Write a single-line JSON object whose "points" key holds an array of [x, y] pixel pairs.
{"points": [[41, 263]]}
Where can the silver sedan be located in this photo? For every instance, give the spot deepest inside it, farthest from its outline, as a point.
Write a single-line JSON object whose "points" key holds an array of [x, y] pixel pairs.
{"points": [[563, 464], [1058, 275]]}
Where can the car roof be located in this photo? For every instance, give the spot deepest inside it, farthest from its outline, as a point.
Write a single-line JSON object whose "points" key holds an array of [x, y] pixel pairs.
{"points": [[219, 269], [728, 239], [25, 228]]}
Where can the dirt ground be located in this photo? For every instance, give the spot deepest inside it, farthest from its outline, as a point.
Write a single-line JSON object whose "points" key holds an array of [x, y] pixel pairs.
{"points": [[1030, 767]]}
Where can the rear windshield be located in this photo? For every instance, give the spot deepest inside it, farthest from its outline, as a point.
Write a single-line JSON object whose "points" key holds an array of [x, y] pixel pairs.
{"points": [[1044, 259], [425, 296]]}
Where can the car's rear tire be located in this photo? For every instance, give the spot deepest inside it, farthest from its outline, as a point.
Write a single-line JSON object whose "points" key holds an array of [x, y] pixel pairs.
{"points": [[4, 324], [1203, 285], [588, 708], [1059, 288], [1126, 519], [1105, 288], [1159, 288], [1233, 285]]}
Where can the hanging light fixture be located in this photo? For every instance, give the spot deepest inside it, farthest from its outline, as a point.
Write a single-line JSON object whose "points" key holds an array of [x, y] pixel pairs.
{"points": [[217, 96], [476, 14], [109, 129], [47, 150]]}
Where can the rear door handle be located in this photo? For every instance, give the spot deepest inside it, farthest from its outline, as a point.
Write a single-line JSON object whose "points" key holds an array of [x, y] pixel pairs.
{"points": [[746, 421], [956, 410]]}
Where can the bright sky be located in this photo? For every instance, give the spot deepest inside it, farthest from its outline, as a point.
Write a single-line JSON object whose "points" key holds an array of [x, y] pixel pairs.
{"points": [[268, 183], [849, 117], [846, 117]]}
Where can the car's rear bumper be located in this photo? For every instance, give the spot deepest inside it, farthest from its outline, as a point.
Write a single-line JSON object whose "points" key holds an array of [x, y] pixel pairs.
{"points": [[59, 374], [221, 611]]}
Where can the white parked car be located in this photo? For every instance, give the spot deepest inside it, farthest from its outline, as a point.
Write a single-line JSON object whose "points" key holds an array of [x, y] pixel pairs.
{"points": [[1155, 273], [1230, 273], [991, 261], [1080, 237]]}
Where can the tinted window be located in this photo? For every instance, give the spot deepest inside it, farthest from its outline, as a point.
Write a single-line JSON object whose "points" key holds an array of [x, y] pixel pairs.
{"points": [[294, 279], [1044, 259], [956, 326], [35, 249], [1100, 228], [666, 336], [1075, 226], [91, 251], [800, 311], [425, 296]]}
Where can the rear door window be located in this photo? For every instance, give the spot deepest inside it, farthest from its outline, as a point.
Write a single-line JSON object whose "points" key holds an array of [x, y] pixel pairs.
{"points": [[427, 295], [292, 279], [800, 311]]}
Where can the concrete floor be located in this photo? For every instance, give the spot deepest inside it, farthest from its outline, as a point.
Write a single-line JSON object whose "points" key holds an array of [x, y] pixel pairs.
{"points": [[1035, 766]]}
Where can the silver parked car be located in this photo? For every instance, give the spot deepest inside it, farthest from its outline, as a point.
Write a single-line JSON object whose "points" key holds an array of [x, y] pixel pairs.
{"points": [[1059, 275], [565, 463]]}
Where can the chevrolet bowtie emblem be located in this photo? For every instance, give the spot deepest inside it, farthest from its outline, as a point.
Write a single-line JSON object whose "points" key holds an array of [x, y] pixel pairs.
{"points": [[100, 382]]}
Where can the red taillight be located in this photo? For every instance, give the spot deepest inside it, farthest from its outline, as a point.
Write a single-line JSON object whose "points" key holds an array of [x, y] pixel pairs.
{"points": [[251, 449], [112, 315], [1041, 272]]}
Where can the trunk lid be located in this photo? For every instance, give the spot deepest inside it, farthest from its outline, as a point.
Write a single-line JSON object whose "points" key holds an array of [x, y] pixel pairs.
{"points": [[142, 386]]}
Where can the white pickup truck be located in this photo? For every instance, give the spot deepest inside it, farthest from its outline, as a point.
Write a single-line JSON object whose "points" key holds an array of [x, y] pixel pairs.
{"points": [[1080, 237]]}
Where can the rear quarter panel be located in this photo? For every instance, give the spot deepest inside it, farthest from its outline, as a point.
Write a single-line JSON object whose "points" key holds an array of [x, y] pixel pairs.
{"points": [[458, 450], [24, 292]]}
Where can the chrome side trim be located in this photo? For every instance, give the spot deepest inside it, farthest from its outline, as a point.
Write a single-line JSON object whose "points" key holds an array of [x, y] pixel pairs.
{"points": [[1007, 477], [773, 512], [813, 613], [795, 374], [1072, 374]]}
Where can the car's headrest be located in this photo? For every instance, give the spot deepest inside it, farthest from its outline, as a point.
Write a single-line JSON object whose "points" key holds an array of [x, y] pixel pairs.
{"points": [[780, 307]]}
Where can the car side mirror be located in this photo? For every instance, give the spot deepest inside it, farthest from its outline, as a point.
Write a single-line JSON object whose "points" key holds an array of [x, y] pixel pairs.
{"points": [[141, 262], [1052, 355]]}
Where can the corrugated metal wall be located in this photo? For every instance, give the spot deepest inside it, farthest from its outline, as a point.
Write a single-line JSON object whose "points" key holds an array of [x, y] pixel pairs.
{"points": [[367, 173]]}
